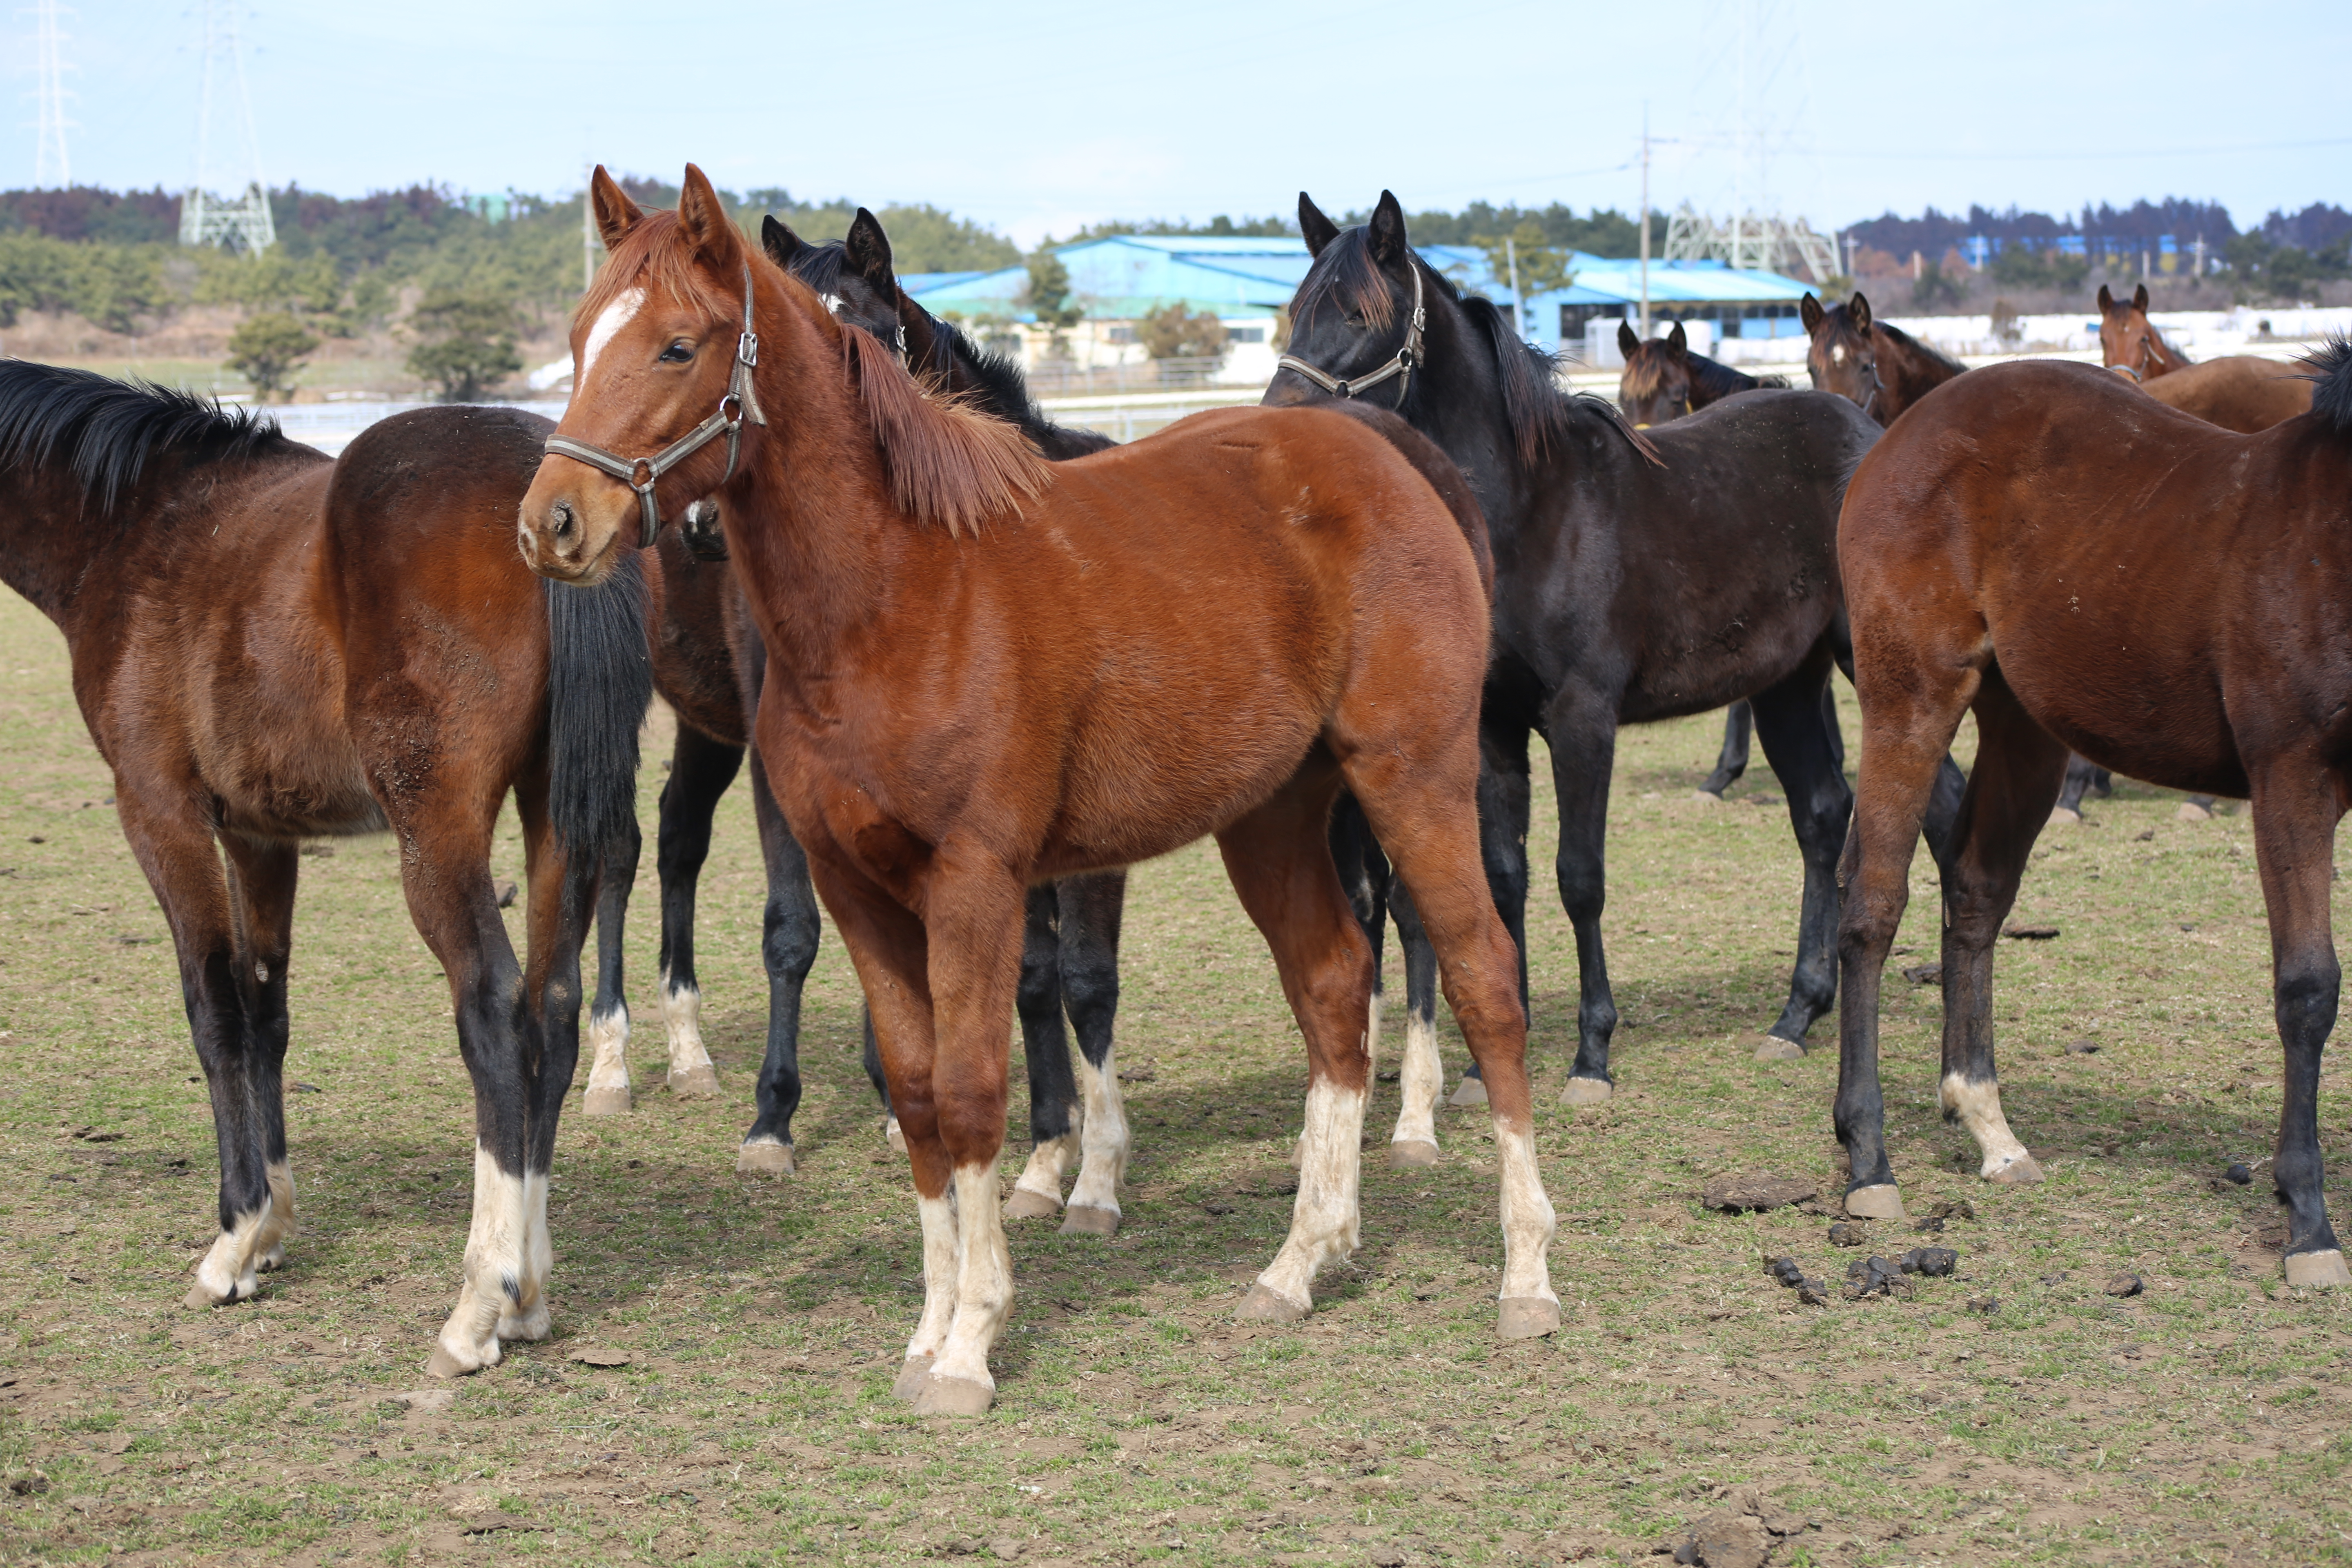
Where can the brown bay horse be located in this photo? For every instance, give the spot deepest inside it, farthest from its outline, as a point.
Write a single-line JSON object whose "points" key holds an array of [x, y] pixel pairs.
{"points": [[2085, 568], [1882, 368], [2244, 392], [986, 671], [269, 645]]}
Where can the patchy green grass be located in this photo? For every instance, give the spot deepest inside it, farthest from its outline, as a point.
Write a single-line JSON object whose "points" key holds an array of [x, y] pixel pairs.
{"points": [[2202, 1421]]}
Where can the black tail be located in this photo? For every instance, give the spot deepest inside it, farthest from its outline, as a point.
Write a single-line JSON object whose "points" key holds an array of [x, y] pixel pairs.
{"points": [[600, 680]]}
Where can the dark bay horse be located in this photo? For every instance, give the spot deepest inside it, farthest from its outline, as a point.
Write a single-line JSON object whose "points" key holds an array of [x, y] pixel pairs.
{"points": [[269, 645], [709, 662], [986, 671], [1663, 380], [2044, 546], [2244, 392], [1882, 369], [1638, 576]]}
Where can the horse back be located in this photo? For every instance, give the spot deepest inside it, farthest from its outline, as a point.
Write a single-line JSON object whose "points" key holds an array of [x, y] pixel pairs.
{"points": [[2244, 392]]}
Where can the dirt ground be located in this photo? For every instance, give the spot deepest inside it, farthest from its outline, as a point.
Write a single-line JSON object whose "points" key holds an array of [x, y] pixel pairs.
{"points": [[758, 1324]]}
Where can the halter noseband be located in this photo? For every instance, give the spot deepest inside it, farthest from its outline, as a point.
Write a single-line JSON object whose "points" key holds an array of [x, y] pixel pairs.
{"points": [[1401, 363], [740, 402]]}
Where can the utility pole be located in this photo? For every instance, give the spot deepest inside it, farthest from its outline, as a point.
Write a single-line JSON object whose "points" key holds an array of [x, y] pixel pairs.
{"points": [[51, 166], [1645, 218], [1518, 306]]}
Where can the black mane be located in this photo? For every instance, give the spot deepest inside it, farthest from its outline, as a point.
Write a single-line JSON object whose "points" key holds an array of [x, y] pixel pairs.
{"points": [[1935, 356], [1717, 379], [107, 431], [1537, 410], [2331, 384]]}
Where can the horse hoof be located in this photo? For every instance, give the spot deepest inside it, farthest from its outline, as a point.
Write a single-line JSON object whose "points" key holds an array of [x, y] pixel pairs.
{"points": [[894, 1136], [2061, 818], [1883, 1201], [1773, 1048], [765, 1158], [1528, 1318], [1711, 798], [1026, 1205], [443, 1364], [953, 1396], [912, 1378], [1085, 1219], [2191, 811], [1587, 1091], [1472, 1092], [1263, 1306], [605, 1102], [2316, 1270], [2024, 1170], [198, 1297], [1410, 1153], [694, 1083]]}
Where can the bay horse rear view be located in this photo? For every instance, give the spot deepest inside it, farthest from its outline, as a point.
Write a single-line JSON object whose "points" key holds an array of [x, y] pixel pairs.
{"points": [[270, 646], [986, 671], [2044, 546]]}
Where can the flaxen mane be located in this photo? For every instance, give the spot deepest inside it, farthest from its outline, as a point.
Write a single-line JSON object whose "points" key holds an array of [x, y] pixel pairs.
{"points": [[950, 463]]}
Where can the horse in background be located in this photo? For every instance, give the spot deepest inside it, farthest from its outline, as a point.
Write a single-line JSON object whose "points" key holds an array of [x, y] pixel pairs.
{"points": [[1883, 369], [1664, 380], [986, 670], [269, 645], [1990, 568], [2244, 392]]}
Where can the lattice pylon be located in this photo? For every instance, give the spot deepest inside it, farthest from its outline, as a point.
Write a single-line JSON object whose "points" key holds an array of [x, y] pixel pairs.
{"points": [[242, 222], [52, 163]]}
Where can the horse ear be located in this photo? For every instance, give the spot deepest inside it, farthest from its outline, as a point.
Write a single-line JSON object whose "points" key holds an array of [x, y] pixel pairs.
{"points": [[2106, 301], [1678, 341], [1626, 342], [777, 238], [703, 219], [2139, 299], [868, 249], [1859, 308], [1810, 312], [1319, 230], [1388, 228], [616, 214]]}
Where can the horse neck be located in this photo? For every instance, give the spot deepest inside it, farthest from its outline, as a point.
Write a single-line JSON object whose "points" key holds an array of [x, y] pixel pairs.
{"points": [[53, 536], [1712, 381], [1458, 404], [1916, 371], [2165, 359]]}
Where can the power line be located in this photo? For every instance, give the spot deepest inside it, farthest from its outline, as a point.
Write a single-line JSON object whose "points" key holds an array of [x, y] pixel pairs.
{"points": [[51, 163]]}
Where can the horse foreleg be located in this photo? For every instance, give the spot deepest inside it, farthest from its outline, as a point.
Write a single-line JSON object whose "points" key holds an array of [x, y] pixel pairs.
{"points": [[2295, 811], [1280, 864], [788, 943], [1505, 800], [1796, 741], [700, 770], [1045, 1045], [2018, 770], [1582, 732], [1364, 873], [1092, 907], [1420, 1077]]}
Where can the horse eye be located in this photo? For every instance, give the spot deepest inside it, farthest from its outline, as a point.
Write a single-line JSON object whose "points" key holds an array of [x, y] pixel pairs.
{"points": [[678, 353]]}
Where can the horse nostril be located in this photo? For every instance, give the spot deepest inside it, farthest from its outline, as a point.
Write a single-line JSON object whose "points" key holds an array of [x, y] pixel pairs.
{"points": [[560, 517]]}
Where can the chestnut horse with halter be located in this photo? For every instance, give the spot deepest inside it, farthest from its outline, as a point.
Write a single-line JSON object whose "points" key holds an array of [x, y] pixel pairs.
{"points": [[986, 671], [269, 645], [2244, 392], [2085, 568]]}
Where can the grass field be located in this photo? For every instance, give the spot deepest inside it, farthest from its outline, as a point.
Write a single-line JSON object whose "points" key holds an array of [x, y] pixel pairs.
{"points": [[2200, 1421]]}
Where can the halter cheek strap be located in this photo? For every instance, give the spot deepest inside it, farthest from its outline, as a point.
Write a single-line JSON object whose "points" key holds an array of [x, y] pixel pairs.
{"points": [[740, 402], [1401, 363]]}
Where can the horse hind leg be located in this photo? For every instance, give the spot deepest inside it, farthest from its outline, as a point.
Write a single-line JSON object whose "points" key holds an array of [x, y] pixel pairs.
{"points": [[1092, 906], [2082, 775], [1420, 1077], [789, 931], [701, 770], [2018, 770], [1790, 717], [1280, 864], [1045, 1046], [608, 1015], [1431, 834], [1738, 723], [1364, 872]]}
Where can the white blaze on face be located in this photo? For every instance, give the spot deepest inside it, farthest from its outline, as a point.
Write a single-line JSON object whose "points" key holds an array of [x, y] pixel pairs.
{"points": [[615, 316], [1837, 354], [832, 303]]}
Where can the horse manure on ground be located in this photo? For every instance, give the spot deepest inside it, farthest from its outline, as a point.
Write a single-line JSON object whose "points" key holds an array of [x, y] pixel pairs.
{"points": [[1849, 1232], [1924, 974], [1736, 1193], [2017, 931], [1934, 1262], [2126, 1284], [2238, 1174], [1874, 1276]]}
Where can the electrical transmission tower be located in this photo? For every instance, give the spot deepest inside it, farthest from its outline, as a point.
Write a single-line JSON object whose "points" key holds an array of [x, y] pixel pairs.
{"points": [[51, 166], [225, 145]]}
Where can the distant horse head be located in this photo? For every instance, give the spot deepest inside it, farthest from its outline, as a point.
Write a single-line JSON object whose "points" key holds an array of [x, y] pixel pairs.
{"points": [[2128, 341], [1843, 357], [854, 276], [1656, 385]]}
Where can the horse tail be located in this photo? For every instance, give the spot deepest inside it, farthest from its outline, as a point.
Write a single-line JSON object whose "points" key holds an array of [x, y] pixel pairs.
{"points": [[600, 681]]}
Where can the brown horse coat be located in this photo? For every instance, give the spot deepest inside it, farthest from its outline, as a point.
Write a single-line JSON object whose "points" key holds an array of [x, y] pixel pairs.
{"points": [[2086, 568], [984, 672], [2244, 392]]}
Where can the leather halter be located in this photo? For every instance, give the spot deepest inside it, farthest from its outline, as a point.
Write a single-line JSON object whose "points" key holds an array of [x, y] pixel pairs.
{"points": [[740, 402], [1401, 363]]}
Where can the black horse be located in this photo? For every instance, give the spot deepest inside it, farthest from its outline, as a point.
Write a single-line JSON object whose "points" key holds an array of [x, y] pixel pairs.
{"points": [[1637, 578], [710, 663]]}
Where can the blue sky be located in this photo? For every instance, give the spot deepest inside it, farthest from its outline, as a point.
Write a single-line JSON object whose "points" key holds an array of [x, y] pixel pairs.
{"points": [[1037, 118]]}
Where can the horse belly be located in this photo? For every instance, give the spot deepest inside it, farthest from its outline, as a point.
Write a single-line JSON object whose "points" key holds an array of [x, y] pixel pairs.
{"points": [[1137, 788], [2143, 711]]}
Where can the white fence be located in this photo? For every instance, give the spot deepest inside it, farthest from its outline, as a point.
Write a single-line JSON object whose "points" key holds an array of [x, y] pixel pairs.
{"points": [[331, 426]]}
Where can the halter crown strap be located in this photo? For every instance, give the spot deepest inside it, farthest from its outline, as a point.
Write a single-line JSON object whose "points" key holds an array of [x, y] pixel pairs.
{"points": [[740, 402], [1401, 363]]}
